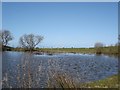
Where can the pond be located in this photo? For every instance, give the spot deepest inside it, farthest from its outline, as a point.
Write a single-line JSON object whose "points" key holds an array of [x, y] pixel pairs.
{"points": [[81, 67]]}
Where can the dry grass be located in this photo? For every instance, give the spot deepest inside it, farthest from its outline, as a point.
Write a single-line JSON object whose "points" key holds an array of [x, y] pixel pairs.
{"points": [[56, 77], [25, 78], [60, 80]]}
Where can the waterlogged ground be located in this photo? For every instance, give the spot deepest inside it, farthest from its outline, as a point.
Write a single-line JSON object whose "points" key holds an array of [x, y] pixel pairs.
{"points": [[19, 67]]}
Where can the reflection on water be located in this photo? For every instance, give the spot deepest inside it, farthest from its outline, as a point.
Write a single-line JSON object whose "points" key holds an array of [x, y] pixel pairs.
{"points": [[82, 67]]}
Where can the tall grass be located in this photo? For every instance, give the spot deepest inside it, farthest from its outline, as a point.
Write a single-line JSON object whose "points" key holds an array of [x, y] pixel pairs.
{"points": [[57, 78], [26, 78], [23, 76]]}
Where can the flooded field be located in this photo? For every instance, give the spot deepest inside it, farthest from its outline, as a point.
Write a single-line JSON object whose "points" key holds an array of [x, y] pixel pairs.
{"points": [[18, 67]]}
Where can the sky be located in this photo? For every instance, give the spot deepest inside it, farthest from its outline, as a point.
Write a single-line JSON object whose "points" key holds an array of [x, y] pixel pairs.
{"points": [[60, 0], [63, 24], [0, 15]]}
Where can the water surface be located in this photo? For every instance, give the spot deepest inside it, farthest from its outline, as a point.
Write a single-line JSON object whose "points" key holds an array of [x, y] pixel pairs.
{"points": [[81, 67]]}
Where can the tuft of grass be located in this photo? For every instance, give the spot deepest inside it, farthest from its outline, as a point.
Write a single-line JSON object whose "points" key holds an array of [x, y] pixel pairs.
{"points": [[58, 78], [61, 80]]}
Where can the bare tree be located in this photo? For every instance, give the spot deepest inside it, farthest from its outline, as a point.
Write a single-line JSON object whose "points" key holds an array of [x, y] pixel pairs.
{"points": [[30, 41], [5, 37], [98, 47]]}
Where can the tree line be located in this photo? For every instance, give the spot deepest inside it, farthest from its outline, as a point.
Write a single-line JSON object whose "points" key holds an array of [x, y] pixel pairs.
{"points": [[26, 41]]}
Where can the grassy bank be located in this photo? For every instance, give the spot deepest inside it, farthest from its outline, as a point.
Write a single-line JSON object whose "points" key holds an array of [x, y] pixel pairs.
{"points": [[110, 82], [63, 81], [111, 50]]}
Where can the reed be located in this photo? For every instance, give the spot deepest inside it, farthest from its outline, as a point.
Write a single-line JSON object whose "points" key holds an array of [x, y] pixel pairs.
{"points": [[56, 77]]}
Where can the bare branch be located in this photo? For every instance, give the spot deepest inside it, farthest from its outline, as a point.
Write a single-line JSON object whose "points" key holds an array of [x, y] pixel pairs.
{"points": [[5, 37], [30, 41]]}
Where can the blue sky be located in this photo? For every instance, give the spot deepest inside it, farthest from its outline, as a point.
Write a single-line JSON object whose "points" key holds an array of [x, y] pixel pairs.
{"points": [[60, 0], [63, 24]]}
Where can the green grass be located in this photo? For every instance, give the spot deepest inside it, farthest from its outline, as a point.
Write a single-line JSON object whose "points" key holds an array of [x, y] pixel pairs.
{"points": [[109, 50], [110, 82], [63, 81], [69, 50]]}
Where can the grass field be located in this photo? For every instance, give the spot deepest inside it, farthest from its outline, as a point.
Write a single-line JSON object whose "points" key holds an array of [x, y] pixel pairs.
{"points": [[111, 50]]}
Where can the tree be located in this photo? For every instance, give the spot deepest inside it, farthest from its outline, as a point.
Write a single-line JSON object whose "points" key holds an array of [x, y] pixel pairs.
{"points": [[98, 47], [5, 37], [30, 41]]}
